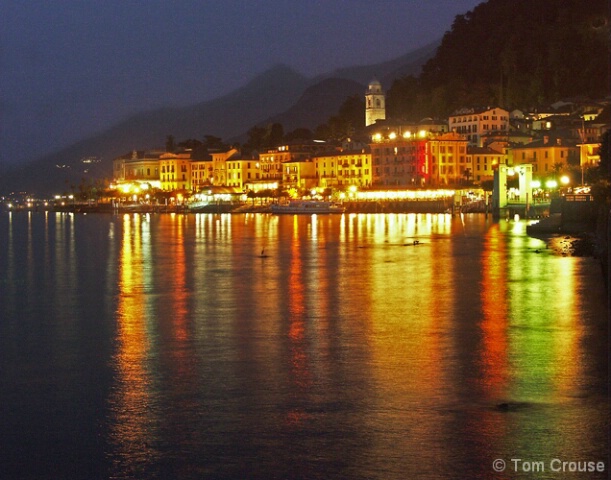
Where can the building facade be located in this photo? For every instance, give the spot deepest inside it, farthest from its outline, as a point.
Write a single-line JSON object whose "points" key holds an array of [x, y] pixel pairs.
{"points": [[141, 166], [474, 123], [299, 174], [484, 161], [447, 159], [399, 161], [175, 171], [344, 169], [548, 156]]}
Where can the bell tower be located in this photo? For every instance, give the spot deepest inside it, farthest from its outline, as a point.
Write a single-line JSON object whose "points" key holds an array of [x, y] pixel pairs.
{"points": [[375, 103]]}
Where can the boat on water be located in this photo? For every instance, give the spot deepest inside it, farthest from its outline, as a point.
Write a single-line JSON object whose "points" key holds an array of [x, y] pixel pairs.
{"points": [[307, 207]]}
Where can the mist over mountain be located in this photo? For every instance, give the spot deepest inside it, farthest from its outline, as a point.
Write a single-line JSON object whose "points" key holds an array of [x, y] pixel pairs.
{"points": [[386, 72], [278, 95]]}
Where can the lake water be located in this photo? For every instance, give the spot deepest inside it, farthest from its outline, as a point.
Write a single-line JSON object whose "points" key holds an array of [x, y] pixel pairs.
{"points": [[168, 347]]}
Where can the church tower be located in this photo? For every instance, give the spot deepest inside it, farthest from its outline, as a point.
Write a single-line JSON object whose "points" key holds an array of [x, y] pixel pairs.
{"points": [[375, 108]]}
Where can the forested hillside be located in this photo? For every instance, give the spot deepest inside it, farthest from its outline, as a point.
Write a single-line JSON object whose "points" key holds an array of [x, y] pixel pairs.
{"points": [[517, 54]]}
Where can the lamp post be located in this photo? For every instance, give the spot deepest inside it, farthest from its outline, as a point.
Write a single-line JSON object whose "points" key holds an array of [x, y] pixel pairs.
{"points": [[564, 181]]}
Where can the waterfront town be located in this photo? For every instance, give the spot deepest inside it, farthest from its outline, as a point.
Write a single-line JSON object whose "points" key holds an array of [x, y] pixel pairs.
{"points": [[430, 160], [561, 144]]}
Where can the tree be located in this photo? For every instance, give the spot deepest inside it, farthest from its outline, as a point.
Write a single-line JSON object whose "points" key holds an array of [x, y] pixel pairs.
{"points": [[299, 134], [348, 123], [274, 135], [214, 143], [256, 138], [605, 156], [170, 144]]}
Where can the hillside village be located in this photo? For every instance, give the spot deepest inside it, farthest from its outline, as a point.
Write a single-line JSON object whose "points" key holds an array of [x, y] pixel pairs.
{"points": [[463, 150]]}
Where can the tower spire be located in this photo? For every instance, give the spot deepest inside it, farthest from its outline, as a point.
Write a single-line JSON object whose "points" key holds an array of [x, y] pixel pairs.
{"points": [[375, 103]]}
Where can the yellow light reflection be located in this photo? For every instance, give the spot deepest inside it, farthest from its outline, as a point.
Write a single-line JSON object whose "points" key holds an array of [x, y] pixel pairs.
{"points": [[495, 309], [178, 285], [132, 429], [300, 373]]}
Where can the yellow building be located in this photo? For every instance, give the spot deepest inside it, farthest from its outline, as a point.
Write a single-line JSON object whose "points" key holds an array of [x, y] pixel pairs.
{"points": [[484, 161], [219, 165], [141, 166], [547, 156], [346, 168], [272, 160], [175, 171], [299, 174], [447, 159], [243, 173], [589, 155], [202, 174]]}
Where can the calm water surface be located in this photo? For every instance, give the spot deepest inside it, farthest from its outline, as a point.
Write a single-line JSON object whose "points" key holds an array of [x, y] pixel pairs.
{"points": [[167, 346]]}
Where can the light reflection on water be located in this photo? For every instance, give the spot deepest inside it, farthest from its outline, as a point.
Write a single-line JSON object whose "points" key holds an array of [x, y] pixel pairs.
{"points": [[258, 346]]}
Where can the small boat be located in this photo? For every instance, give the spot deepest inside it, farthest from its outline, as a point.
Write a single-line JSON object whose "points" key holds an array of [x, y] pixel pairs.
{"points": [[307, 207]]}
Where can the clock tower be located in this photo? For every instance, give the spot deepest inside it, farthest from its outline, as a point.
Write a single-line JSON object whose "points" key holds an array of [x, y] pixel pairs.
{"points": [[375, 100]]}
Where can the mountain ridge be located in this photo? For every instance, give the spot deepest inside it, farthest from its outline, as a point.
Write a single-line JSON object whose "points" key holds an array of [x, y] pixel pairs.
{"points": [[275, 95]]}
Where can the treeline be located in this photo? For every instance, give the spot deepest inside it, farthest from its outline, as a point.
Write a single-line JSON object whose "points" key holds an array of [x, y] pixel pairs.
{"points": [[511, 53], [516, 54], [348, 123]]}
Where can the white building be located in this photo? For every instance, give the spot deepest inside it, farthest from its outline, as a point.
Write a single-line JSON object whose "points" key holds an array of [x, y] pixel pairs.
{"points": [[473, 123]]}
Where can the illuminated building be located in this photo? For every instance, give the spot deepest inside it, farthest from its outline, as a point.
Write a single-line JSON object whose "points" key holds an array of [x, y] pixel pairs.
{"points": [[202, 174], [447, 156], [242, 172], [589, 155], [417, 159], [272, 161], [474, 123], [299, 174], [547, 155], [375, 103], [219, 165], [484, 161], [345, 168], [137, 166], [399, 160], [175, 171]]}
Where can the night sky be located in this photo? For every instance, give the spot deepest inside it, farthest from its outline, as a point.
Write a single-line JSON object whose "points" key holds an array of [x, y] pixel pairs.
{"points": [[70, 68]]}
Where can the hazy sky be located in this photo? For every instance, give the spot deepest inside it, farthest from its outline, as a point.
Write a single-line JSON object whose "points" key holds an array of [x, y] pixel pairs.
{"points": [[70, 68]]}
